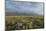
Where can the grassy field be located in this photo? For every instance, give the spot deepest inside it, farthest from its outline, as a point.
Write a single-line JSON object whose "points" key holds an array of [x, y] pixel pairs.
{"points": [[24, 22]]}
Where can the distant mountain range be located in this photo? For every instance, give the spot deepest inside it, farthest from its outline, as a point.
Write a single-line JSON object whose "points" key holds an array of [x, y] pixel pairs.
{"points": [[19, 13]]}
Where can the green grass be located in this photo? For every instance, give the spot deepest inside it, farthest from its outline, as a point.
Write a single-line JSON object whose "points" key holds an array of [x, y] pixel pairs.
{"points": [[24, 22]]}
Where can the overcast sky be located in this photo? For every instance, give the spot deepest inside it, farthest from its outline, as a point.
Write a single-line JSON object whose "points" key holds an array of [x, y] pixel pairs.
{"points": [[12, 6]]}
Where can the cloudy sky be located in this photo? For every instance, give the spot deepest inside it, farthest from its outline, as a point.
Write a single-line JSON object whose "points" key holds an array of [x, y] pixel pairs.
{"points": [[13, 6]]}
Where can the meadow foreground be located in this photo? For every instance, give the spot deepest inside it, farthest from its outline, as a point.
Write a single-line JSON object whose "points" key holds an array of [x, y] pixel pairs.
{"points": [[24, 22]]}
